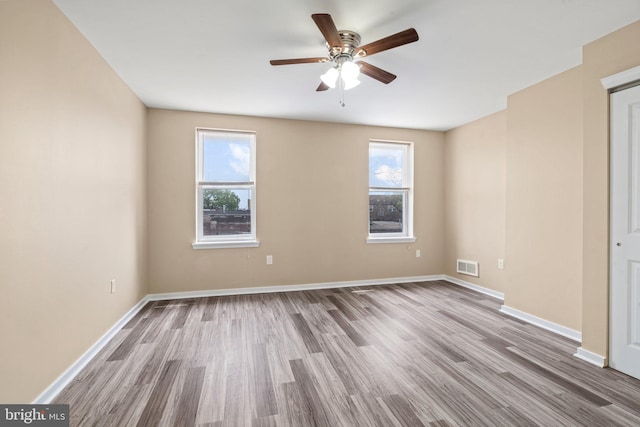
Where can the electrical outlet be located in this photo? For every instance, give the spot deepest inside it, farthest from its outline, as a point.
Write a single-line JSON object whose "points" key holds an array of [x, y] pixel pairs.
{"points": [[501, 264], [269, 259], [113, 286], [417, 253]]}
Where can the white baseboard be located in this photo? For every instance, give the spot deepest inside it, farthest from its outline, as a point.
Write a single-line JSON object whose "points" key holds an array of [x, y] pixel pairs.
{"points": [[469, 285], [591, 357], [67, 376], [542, 323], [290, 288]]}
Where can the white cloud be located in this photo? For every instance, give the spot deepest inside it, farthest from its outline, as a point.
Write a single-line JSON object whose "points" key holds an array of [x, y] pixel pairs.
{"points": [[388, 175], [241, 157]]}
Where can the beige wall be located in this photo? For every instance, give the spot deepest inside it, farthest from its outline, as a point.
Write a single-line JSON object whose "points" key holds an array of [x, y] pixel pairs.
{"points": [[557, 192], [475, 197], [544, 199], [72, 199], [312, 206], [609, 55], [514, 191]]}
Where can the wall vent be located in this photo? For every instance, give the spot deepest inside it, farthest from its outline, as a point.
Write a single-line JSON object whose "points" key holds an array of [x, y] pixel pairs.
{"points": [[468, 267]]}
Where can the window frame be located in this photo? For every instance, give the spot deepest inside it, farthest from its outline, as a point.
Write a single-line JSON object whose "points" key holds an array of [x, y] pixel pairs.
{"points": [[229, 240], [406, 189]]}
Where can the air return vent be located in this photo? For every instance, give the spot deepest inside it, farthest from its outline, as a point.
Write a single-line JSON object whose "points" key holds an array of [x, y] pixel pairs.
{"points": [[468, 267]]}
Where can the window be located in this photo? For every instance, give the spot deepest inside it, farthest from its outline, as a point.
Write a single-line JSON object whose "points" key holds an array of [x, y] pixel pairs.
{"points": [[225, 189], [390, 192]]}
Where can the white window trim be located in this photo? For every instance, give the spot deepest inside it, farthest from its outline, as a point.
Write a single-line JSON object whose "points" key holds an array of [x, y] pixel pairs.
{"points": [[229, 241], [391, 240], [226, 245], [407, 168]]}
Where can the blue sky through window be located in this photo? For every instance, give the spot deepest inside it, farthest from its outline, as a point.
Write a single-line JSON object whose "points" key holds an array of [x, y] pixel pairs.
{"points": [[228, 159], [385, 165]]}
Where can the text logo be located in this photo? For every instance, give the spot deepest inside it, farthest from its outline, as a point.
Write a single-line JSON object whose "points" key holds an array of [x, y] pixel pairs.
{"points": [[34, 415]]}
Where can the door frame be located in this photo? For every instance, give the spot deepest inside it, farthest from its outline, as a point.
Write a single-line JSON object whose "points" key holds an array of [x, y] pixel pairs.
{"points": [[612, 84]]}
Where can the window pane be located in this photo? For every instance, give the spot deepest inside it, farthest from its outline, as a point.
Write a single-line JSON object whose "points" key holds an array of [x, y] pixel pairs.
{"points": [[226, 158], [386, 211], [385, 165], [226, 211]]}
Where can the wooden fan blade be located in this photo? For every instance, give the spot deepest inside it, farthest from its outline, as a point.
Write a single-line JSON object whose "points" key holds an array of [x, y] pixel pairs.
{"points": [[298, 61], [327, 28], [376, 73], [322, 87], [395, 40]]}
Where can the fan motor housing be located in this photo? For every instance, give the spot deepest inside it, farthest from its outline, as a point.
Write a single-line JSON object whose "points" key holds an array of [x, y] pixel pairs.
{"points": [[350, 42]]}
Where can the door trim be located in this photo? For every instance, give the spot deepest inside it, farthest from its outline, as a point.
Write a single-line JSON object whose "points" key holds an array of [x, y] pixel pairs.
{"points": [[610, 83], [613, 83], [623, 78]]}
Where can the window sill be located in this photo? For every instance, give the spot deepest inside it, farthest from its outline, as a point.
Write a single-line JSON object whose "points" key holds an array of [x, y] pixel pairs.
{"points": [[226, 245], [376, 240]]}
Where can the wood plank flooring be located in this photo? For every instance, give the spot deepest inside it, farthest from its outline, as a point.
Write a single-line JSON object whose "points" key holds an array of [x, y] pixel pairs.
{"points": [[420, 354]]}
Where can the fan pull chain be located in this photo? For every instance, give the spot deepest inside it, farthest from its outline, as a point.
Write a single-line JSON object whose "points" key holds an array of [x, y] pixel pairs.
{"points": [[341, 100]]}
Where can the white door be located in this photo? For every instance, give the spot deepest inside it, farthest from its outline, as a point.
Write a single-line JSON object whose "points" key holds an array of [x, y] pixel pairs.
{"points": [[624, 348]]}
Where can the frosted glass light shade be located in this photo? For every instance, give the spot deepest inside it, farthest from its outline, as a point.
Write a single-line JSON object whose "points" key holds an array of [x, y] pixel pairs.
{"points": [[350, 71], [350, 84], [330, 77]]}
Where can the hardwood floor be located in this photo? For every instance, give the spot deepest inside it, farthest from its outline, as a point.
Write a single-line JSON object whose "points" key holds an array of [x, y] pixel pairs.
{"points": [[430, 354]]}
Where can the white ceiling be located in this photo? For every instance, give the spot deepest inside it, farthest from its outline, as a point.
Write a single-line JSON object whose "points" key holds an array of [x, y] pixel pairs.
{"points": [[213, 55]]}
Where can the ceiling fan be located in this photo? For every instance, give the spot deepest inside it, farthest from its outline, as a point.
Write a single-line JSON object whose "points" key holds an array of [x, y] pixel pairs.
{"points": [[346, 53]]}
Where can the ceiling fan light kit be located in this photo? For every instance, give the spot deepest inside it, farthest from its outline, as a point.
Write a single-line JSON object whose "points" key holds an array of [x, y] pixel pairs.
{"points": [[346, 70], [344, 47]]}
